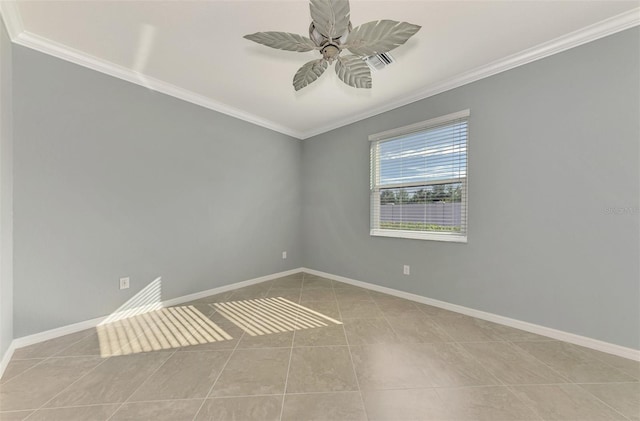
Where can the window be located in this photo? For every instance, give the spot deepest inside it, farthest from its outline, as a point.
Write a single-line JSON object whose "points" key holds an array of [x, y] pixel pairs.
{"points": [[419, 180]]}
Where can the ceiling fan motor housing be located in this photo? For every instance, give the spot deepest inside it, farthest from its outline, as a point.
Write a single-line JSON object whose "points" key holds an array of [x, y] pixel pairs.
{"points": [[329, 47]]}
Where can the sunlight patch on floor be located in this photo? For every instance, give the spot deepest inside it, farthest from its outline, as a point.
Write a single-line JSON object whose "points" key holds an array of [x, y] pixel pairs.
{"points": [[142, 325], [263, 316], [166, 328]]}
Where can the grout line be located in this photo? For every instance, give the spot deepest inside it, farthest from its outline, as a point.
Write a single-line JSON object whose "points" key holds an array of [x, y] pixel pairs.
{"points": [[43, 359], [293, 338], [353, 366], [434, 319], [22, 372], [218, 376], [600, 400], [142, 383], [68, 386], [587, 354]]}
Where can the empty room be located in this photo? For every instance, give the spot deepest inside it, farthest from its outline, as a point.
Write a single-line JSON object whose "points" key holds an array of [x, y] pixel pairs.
{"points": [[319, 210]]}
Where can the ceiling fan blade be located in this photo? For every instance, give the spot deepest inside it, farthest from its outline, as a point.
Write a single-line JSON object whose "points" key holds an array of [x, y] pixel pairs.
{"points": [[379, 37], [353, 71], [282, 41], [309, 73], [331, 17]]}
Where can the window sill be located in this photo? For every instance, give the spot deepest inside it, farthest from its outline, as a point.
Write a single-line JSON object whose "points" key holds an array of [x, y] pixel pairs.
{"points": [[420, 235]]}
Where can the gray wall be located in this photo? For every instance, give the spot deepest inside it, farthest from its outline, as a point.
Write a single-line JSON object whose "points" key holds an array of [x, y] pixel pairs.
{"points": [[559, 133], [6, 193], [114, 180]]}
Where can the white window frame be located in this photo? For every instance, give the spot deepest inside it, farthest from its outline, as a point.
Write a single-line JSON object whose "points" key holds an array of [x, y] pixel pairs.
{"points": [[375, 187]]}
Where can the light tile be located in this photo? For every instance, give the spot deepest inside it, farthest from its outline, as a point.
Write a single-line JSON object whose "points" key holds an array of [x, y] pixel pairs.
{"points": [[630, 367], [328, 308], [565, 402], [433, 311], [508, 333], [216, 298], [388, 366], [35, 387], [347, 295], [344, 286], [15, 415], [220, 345], [316, 282], [186, 375], [571, 362], [250, 292], [112, 381], [623, 397], [254, 372], [417, 329], [17, 367], [291, 294], [250, 408], [78, 413], [391, 366], [412, 361], [468, 329], [158, 411], [51, 347], [89, 345], [512, 365], [477, 403], [274, 340], [359, 310], [287, 282], [321, 369], [317, 294], [343, 406], [369, 331], [320, 336], [397, 307]]}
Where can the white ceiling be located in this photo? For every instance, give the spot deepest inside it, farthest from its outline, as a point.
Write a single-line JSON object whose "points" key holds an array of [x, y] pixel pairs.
{"points": [[194, 49]]}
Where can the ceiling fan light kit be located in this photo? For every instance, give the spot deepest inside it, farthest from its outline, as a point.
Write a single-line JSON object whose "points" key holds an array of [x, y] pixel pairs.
{"points": [[331, 33]]}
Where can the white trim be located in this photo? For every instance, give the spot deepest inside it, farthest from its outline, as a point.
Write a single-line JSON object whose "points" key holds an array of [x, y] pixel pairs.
{"points": [[598, 30], [55, 333], [88, 324], [12, 20], [6, 358], [529, 327], [419, 235], [416, 127], [609, 348], [225, 288], [47, 46], [573, 39]]}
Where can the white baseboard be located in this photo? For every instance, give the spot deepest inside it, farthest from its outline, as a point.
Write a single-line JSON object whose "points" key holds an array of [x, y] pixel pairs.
{"points": [[6, 358], [225, 288], [88, 324], [587, 342], [598, 345]]}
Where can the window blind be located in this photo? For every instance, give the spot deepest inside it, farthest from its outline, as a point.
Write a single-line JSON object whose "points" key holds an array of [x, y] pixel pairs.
{"points": [[419, 180]]}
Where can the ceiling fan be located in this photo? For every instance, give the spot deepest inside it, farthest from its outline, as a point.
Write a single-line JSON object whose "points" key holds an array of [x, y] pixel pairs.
{"points": [[331, 33]]}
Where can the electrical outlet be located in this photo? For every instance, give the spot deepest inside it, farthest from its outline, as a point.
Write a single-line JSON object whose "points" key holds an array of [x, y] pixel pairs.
{"points": [[124, 283], [284, 254], [406, 270]]}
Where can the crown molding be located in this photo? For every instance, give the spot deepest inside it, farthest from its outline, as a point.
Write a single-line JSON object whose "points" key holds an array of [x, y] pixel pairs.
{"points": [[63, 52], [584, 35], [11, 17], [610, 26]]}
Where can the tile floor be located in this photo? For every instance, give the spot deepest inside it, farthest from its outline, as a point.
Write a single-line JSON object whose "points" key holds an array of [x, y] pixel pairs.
{"points": [[391, 359]]}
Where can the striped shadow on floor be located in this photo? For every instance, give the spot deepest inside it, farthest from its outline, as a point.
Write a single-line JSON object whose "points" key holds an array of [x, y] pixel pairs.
{"points": [[165, 328], [263, 316]]}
